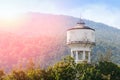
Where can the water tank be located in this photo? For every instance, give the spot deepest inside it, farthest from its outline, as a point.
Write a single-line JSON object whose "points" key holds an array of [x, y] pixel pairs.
{"points": [[81, 34], [81, 40]]}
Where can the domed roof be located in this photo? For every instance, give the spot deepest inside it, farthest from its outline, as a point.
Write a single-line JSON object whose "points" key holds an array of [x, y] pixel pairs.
{"points": [[81, 25], [81, 22]]}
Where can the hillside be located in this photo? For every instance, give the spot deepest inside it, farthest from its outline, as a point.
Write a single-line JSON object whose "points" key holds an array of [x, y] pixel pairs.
{"points": [[42, 37]]}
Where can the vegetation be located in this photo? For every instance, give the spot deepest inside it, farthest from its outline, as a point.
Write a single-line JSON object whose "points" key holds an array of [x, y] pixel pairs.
{"points": [[66, 69], [43, 38]]}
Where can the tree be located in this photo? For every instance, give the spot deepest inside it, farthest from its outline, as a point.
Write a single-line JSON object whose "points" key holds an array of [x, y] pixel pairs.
{"points": [[64, 70], [67, 69], [37, 74], [30, 65], [87, 72], [105, 57], [17, 75], [109, 70], [2, 74]]}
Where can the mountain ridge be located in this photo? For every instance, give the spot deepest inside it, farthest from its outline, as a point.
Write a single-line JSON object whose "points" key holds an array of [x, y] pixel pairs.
{"points": [[43, 38]]}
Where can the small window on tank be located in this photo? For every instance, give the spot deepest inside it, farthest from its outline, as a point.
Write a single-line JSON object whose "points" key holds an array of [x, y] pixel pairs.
{"points": [[74, 54], [80, 54]]}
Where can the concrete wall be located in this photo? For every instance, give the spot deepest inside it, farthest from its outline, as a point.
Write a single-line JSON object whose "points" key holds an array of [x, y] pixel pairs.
{"points": [[81, 35]]}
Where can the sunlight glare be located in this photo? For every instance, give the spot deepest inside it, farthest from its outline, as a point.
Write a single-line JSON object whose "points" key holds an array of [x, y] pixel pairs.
{"points": [[10, 20], [8, 15]]}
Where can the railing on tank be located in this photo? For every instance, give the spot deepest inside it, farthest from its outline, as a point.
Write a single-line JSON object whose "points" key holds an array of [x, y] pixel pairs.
{"points": [[81, 42]]}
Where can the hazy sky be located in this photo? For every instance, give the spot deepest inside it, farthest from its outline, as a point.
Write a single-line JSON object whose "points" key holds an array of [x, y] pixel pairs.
{"points": [[105, 11]]}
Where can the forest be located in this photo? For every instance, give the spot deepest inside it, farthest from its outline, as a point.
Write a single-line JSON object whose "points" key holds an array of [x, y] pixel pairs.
{"points": [[42, 37], [65, 69]]}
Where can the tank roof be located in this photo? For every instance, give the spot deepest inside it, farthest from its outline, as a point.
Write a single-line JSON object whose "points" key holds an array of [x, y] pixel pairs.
{"points": [[81, 25], [81, 21], [85, 27]]}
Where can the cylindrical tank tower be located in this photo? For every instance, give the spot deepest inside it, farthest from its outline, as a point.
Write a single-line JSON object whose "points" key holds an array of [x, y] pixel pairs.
{"points": [[81, 40]]}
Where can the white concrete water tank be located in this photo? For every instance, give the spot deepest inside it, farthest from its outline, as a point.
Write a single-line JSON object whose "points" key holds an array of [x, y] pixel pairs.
{"points": [[81, 39]]}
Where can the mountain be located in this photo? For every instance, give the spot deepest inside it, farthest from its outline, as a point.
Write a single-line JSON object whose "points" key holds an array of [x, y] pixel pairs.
{"points": [[42, 37]]}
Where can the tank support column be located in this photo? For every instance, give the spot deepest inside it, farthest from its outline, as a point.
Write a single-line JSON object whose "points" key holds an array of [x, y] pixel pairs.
{"points": [[89, 57], [83, 55], [76, 56], [72, 54]]}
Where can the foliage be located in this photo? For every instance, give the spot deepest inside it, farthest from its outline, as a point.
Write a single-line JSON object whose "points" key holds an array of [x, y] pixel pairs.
{"points": [[109, 70], [66, 69], [37, 74], [2, 74], [17, 75], [49, 47]]}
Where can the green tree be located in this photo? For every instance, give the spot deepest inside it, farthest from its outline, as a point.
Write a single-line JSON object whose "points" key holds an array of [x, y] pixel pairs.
{"points": [[91, 74], [109, 70], [17, 75], [37, 74], [87, 72], [105, 57], [64, 70]]}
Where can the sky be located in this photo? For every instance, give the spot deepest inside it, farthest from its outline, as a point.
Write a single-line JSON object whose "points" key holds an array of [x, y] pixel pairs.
{"points": [[104, 11]]}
